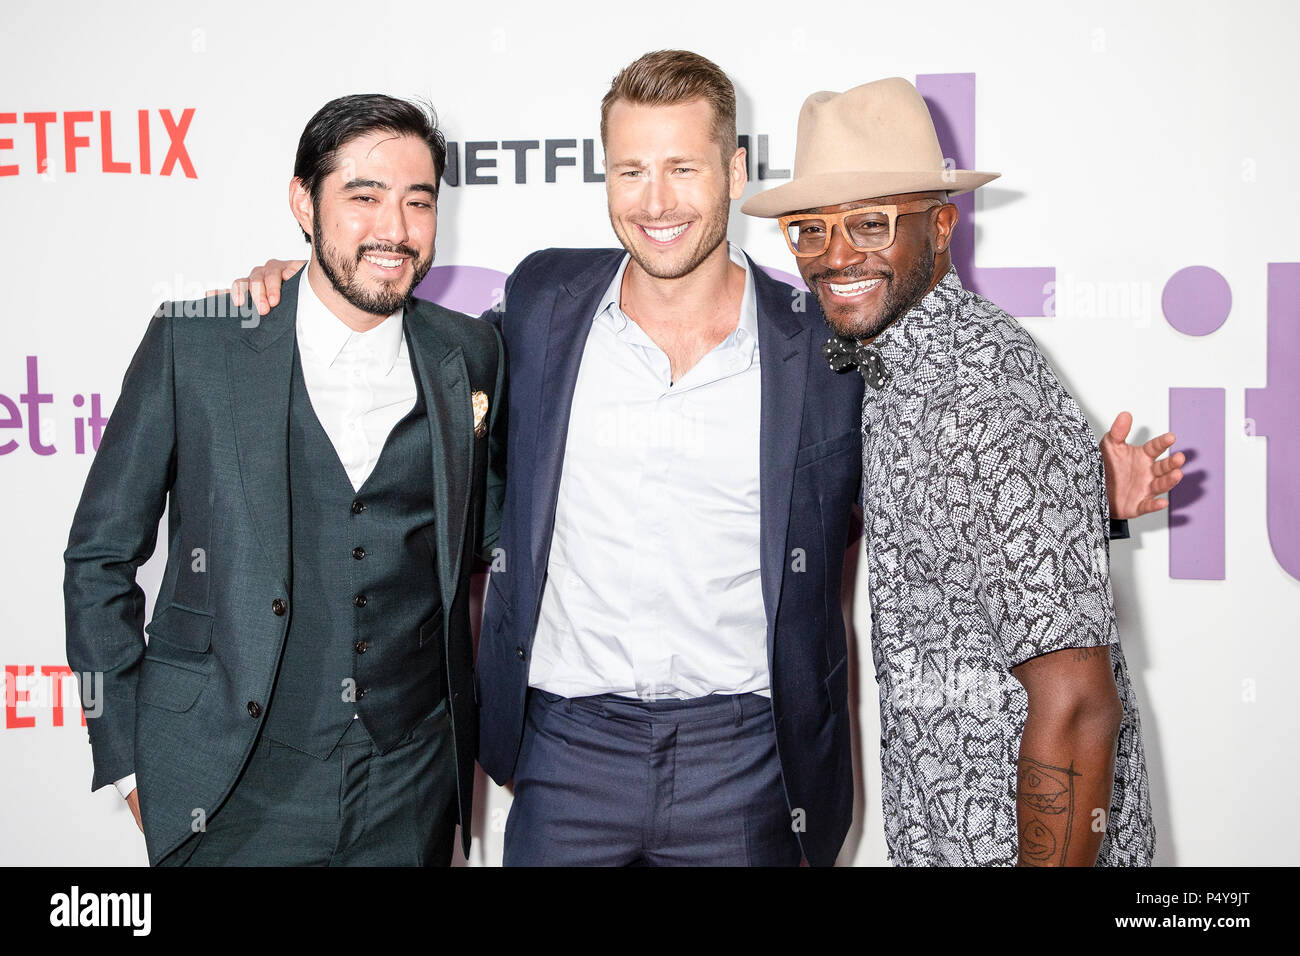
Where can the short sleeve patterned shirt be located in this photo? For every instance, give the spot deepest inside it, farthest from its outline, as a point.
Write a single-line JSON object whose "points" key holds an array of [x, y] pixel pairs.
{"points": [[986, 540]]}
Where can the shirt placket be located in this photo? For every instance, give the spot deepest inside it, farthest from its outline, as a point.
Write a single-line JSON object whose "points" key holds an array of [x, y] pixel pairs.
{"points": [[651, 666], [358, 399]]}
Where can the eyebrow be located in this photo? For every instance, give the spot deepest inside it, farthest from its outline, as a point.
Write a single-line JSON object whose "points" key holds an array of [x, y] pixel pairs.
{"points": [[668, 161], [376, 184]]}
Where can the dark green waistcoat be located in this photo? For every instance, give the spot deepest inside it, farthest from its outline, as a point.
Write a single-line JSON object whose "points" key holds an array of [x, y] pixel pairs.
{"points": [[366, 632]]}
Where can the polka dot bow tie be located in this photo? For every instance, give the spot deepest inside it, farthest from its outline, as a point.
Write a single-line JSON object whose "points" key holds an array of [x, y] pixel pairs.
{"points": [[844, 354]]}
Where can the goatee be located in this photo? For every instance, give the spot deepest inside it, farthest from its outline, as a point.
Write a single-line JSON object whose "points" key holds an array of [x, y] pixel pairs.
{"points": [[342, 274], [901, 292]]}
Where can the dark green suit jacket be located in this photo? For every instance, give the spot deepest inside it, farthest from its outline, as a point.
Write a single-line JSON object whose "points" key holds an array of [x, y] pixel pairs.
{"points": [[201, 427]]}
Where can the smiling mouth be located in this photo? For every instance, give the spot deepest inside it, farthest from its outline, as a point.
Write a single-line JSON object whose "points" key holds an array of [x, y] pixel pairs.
{"points": [[852, 290], [386, 263], [666, 235]]}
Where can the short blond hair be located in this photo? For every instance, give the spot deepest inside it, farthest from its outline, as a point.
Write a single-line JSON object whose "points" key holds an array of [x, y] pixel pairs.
{"points": [[668, 77]]}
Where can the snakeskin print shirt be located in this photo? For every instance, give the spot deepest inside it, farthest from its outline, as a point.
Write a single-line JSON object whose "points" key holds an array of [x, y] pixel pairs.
{"points": [[986, 538]]}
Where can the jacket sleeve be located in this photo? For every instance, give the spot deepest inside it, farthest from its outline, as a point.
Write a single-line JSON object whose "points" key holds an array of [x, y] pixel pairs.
{"points": [[113, 532], [496, 477], [496, 316]]}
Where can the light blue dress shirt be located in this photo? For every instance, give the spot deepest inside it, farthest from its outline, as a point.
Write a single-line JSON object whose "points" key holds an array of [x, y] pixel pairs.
{"points": [[653, 586]]}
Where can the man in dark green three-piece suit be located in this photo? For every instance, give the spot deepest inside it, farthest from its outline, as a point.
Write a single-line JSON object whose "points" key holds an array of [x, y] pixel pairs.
{"points": [[307, 691]]}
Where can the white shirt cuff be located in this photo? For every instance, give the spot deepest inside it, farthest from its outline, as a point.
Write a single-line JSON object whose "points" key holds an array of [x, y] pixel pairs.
{"points": [[125, 785]]}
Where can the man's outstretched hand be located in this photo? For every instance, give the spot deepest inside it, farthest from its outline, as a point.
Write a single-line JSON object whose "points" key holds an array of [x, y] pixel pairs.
{"points": [[1136, 475], [263, 283]]}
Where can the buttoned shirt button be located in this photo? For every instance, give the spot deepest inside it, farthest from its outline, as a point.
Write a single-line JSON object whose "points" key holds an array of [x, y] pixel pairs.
{"points": [[358, 553], [358, 506], [520, 652], [359, 601], [254, 709], [278, 606], [361, 646]]}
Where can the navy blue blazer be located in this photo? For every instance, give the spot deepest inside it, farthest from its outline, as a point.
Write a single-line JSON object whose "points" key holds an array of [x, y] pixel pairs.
{"points": [[810, 460]]}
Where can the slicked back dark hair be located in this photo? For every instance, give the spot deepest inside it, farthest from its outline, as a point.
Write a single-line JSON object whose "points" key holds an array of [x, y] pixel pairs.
{"points": [[344, 119]]}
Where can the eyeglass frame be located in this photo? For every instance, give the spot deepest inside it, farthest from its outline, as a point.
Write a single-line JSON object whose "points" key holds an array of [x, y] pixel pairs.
{"points": [[833, 219]]}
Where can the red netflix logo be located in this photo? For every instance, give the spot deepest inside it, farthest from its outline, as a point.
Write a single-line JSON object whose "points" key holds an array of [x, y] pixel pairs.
{"points": [[30, 690], [79, 127]]}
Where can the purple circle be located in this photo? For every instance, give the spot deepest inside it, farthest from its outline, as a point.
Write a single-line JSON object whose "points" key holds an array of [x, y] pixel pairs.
{"points": [[797, 281], [471, 289], [786, 277], [1196, 300]]}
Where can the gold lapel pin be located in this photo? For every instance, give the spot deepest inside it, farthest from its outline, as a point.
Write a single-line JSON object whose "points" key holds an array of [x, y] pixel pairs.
{"points": [[480, 401]]}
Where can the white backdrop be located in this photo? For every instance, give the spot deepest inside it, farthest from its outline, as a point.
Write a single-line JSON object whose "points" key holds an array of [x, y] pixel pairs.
{"points": [[1133, 142]]}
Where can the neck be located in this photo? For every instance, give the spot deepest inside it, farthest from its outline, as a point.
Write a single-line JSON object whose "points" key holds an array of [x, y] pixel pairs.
{"points": [[942, 263], [347, 313], [693, 298]]}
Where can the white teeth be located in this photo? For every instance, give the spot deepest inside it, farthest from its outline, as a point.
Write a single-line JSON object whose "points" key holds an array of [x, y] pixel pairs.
{"points": [[853, 288], [665, 235], [386, 263]]}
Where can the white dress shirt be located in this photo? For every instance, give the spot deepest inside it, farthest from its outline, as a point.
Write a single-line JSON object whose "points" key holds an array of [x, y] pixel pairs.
{"points": [[653, 586], [360, 385]]}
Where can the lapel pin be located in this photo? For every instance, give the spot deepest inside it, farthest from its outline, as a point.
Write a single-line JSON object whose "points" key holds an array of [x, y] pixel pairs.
{"points": [[480, 402]]}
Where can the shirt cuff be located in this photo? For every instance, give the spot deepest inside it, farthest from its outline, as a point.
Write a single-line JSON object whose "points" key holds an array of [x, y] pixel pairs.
{"points": [[125, 785], [1118, 529]]}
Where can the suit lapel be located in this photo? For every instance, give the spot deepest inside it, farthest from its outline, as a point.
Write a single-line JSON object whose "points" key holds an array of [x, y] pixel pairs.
{"points": [[260, 367], [566, 338], [444, 379], [783, 347]]}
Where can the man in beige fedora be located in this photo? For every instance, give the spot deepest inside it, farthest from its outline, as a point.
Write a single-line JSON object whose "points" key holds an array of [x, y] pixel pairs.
{"points": [[1009, 728]]}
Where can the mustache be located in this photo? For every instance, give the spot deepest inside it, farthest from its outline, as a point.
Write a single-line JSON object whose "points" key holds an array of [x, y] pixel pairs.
{"points": [[400, 249], [850, 275]]}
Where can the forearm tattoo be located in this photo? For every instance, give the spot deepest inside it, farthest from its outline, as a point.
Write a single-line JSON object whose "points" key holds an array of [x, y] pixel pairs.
{"points": [[1045, 811]]}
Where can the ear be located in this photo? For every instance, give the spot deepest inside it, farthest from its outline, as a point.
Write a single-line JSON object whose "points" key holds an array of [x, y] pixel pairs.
{"points": [[301, 206], [737, 173], [945, 221]]}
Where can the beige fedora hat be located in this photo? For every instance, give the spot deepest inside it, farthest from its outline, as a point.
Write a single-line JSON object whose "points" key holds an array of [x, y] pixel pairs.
{"points": [[875, 140]]}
